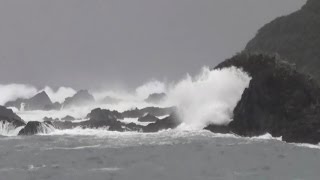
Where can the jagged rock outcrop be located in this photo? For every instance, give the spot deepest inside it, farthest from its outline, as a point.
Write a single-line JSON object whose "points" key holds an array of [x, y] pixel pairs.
{"points": [[169, 122], [279, 100], [154, 111], [148, 118], [104, 118], [68, 118], [111, 119], [7, 115], [294, 37], [35, 127], [156, 98], [82, 97], [40, 101]]}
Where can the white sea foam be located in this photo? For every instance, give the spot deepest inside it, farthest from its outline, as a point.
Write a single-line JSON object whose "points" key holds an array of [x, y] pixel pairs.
{"points": [[8, 129], [311, 146], [149, 88], [60, 94], [134, 120], [267, 136], [208, 98], [11, 92]]}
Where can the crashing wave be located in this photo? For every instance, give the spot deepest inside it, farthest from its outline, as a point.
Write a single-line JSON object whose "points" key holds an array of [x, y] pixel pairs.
{"points": [[45, 128], [8, 129]]}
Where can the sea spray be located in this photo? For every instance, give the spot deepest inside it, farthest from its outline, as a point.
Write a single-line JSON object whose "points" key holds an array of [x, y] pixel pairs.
{"points": [[150, 87], [8, 129], [60, 94], [209, 98], [10, 92]]}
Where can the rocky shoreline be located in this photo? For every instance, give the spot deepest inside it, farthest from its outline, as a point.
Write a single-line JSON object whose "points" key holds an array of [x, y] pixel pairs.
{"points": [[279, 100]]}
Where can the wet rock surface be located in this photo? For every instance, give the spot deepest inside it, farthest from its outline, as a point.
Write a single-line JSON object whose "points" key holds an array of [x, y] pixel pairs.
{"points": [[7, 115], [279, 100]]}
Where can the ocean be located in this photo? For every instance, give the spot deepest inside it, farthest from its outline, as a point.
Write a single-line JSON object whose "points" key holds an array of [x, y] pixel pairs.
{"points": [[94, 154]]}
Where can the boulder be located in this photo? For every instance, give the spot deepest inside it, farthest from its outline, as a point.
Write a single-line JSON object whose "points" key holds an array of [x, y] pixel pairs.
{"points": [[35, 127], [169, 122], [99, 118]]}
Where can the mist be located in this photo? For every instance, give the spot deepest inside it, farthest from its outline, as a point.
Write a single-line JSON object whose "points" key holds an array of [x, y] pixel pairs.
{"points": [[208, 98]]}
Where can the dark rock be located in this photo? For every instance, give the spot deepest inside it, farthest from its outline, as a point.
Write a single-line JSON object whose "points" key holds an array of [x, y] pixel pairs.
{"points": [[82, 97], [132, 127], [68, 118], [102, 114], [279, 100], [104, 118], [170, 122], [148, 118], [35, 127], [100, 118], [65, 124], [154, 111], [294, 37], [40, 101], [156, 97], [7, 115], [218, 129]]}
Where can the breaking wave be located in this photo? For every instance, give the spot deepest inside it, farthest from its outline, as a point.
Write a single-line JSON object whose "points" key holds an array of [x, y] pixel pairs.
{"points": [[8, 129], [209, 98]]}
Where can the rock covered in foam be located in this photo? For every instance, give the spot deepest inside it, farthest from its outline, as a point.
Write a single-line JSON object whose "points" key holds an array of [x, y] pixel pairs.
{"points": [[35, 127], [279, 101]]}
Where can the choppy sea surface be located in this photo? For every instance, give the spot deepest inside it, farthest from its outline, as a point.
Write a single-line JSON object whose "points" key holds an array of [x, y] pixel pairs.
{"points": [[168, 155]]}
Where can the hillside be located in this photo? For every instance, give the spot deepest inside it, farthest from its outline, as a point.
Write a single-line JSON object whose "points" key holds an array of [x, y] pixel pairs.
{"points": [[294, 37]]}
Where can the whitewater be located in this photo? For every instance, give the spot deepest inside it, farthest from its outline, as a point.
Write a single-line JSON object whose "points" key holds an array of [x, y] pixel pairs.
{"points": [[186, 153]]}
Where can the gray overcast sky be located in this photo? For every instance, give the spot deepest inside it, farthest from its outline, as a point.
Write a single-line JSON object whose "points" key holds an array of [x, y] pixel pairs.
{"points": [[90, 43]]}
